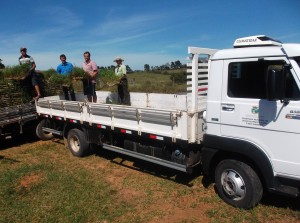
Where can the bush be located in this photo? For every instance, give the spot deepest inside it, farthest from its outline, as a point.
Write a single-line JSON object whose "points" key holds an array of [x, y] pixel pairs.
{"points": [[77, 73], [108, 75], [17, 72], [179, 78], [49, 73]]}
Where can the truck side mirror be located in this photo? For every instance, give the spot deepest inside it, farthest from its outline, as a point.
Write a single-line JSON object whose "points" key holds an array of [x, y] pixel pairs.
{"points": [[276, 85]]}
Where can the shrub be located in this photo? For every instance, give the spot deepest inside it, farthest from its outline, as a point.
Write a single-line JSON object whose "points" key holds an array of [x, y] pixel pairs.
{"points": [[108, 75], [77, 73], [17, 71], [179, 78]]}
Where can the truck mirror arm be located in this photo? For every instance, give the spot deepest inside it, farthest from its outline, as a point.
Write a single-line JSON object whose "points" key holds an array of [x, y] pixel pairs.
{"points": [[285, 101]]}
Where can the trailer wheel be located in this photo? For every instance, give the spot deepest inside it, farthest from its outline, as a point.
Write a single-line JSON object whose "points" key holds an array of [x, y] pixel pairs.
{"points": [[39, 130], [238, 184], [77, 143]]}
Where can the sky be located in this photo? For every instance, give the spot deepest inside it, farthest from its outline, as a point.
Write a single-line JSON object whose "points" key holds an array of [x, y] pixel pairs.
{"points": [[152, 32]]}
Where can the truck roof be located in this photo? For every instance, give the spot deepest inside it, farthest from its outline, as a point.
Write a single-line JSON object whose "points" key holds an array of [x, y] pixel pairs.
{"points": [[258, 46], [258, 40], [288, 49]]}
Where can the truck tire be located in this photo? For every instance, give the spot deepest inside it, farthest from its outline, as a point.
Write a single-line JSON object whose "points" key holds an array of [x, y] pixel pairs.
{"points": [[238, 184], [77, 143], [39, 131]]}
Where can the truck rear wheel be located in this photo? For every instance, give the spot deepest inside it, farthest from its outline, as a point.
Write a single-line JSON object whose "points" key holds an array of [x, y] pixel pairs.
{"points": [[41, 134], [238, 184], [77, 143]]}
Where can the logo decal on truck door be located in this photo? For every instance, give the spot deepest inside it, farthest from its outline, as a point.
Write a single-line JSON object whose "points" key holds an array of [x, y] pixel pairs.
{"points": [[255, 110]]}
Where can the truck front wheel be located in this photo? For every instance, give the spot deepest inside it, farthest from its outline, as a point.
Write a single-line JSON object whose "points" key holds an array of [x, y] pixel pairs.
{"points": [[77, 143], [238, 184]]}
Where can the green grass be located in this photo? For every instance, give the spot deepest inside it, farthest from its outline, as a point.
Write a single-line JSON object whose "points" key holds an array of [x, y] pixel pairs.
{"points": [[150, 83], [153, 82], [43, 182], [46, 191]]}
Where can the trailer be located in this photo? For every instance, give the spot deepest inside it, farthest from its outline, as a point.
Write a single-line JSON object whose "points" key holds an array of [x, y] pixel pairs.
{"points": [[238, 119], [15, 119]]}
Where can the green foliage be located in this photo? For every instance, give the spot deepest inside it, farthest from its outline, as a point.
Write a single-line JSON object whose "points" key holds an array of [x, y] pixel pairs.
{"points": [[59, 79], [179, 78], [49, 73], [17, 71], [14, 92], [108, 75], [77, 73], [153, 83]]}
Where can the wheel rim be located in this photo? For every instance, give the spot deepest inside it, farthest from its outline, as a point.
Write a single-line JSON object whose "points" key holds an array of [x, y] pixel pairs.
{"points": [[74, 143], [47, 125], [233, 184]]}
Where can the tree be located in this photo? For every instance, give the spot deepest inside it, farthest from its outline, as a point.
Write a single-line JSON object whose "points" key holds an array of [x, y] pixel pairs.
{"points": [[173, 66], [178, 64], [1, 64], [128, 69], [146, 67]]}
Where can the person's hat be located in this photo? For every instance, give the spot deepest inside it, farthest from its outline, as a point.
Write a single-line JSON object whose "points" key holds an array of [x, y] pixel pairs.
{"points": [[23, 49], [118, 58]]}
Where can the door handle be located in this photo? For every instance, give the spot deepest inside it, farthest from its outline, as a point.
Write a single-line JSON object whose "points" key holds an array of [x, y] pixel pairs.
{"points": [[228, 107]]}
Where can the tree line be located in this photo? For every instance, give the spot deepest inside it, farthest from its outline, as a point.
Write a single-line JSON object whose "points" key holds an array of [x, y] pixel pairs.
{"points": [[167, 66]]}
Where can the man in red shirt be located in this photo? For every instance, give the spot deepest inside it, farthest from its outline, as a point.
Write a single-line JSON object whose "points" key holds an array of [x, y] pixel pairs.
{"points": [[91, 70]]}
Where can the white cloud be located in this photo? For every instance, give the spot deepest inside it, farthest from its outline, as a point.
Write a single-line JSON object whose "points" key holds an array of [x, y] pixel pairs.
{"points": [[131, 24]]}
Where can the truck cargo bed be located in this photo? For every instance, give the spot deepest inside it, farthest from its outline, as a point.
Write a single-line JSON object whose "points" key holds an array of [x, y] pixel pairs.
{"points": [[165, 115]]}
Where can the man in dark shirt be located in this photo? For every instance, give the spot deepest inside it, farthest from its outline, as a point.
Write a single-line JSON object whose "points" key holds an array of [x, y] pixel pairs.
{"points": [[26, 59]]}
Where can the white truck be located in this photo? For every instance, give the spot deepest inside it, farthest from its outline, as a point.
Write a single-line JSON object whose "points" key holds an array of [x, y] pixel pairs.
{"points": [[240, 120]]}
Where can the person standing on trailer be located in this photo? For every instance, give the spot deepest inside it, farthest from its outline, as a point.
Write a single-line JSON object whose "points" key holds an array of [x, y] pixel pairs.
{"points": [[66, 68], [91, 70], [121, 72], [26, 59]]}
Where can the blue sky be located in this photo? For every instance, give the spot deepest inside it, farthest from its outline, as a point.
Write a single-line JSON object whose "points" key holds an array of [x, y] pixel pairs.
{"points": [[150, 32]]}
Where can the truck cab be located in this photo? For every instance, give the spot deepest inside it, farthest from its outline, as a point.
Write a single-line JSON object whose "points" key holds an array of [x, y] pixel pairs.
{"points": [[253, 120]]}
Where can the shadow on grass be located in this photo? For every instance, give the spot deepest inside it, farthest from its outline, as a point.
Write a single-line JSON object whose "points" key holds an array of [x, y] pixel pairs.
{"points": [[17, 140], [3, 159], [269, 199], [281, 201], [152, 168]]}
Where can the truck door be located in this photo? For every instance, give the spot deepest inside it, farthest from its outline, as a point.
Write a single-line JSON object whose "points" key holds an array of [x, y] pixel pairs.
{"points": [[271, 126]]}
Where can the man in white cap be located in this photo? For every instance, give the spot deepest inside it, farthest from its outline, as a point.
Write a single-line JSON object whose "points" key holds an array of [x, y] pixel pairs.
{"points": [[120, 71]]}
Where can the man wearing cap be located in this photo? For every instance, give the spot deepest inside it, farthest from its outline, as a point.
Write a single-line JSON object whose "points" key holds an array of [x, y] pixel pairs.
{"points": [[91, 70], [120, 71], [66, 68], [26, 59]]}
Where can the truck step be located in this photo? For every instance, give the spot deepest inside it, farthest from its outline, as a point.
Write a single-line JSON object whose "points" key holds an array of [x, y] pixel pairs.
{"points": [[53, 131], [148, 158]]}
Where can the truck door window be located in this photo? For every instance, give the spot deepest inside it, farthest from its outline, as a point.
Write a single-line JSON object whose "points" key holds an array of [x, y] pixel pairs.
{"points": [[248, 79]]}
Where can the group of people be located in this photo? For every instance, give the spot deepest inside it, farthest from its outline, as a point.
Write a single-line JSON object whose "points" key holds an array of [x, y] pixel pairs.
{"points": [[91, 70]]}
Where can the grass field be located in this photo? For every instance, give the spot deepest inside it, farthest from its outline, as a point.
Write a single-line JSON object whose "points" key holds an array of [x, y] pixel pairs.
{"points": [[150, 82], [42, 182]]}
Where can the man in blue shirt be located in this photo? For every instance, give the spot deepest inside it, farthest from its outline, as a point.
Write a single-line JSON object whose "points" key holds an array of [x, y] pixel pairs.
{"points": [[66, 68]]}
